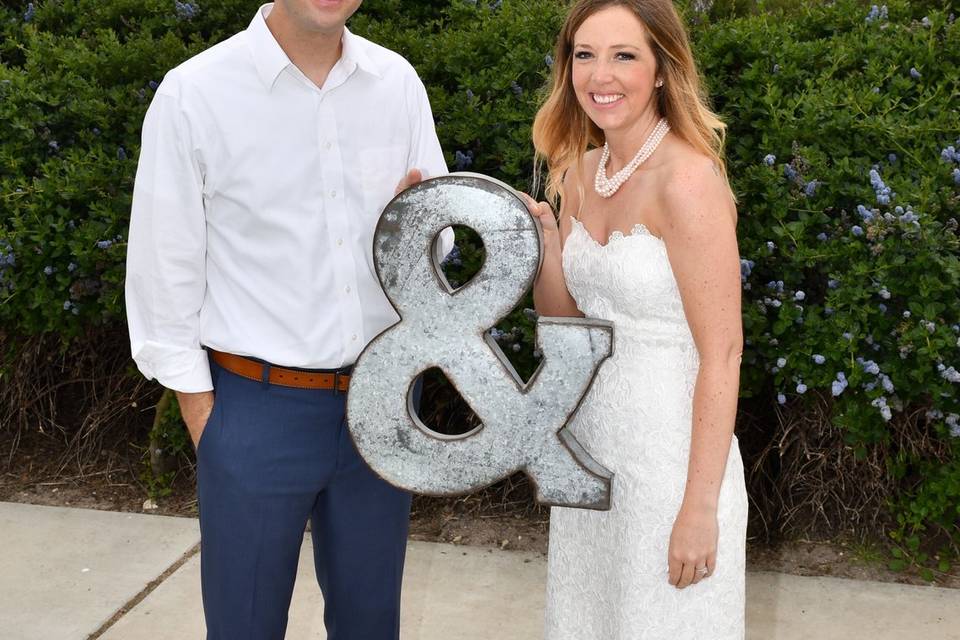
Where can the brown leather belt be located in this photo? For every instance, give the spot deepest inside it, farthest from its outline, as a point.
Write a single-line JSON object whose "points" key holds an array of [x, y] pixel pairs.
{"points": [[253, 370]]}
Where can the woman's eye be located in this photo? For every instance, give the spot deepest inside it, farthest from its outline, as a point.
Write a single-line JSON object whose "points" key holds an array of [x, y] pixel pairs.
{"points": [[581, 55], [625, 56]]}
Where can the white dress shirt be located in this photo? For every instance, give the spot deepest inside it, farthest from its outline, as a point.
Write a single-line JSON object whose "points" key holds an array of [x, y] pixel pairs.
{"points": [[256, 198]]}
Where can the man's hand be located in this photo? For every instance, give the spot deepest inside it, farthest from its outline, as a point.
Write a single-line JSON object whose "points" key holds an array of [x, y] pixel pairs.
{"points": [[413, 177], [195, 409]]}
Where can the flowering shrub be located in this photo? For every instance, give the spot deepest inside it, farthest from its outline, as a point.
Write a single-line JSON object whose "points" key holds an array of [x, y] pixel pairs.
{"points": [[843, 147]]}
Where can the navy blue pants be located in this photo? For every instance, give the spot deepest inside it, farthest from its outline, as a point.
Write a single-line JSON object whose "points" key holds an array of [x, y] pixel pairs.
{"points": [[269, 458]]}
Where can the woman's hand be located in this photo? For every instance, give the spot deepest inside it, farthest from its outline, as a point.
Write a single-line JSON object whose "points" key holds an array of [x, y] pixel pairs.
{"points": [[693, 546], [543, 212]]}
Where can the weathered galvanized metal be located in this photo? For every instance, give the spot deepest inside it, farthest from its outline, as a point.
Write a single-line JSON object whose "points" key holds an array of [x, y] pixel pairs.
{"points": [[441, 327]]}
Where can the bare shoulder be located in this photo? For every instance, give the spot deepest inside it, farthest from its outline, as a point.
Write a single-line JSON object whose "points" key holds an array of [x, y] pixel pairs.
{"points": [[695, 194]]}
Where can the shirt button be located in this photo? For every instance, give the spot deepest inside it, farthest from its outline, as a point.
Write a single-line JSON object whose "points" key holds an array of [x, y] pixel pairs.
{"points": [[347, 288], [339, 241], [353, 337], [327, 145], [333, 194]]}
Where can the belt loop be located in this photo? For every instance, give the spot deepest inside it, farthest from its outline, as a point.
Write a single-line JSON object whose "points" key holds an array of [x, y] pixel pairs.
{"points": [[336, 382], [265, 378]]}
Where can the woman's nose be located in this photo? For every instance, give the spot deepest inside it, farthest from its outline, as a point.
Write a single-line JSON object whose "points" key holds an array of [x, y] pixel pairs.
{"points": [[602, 72]]}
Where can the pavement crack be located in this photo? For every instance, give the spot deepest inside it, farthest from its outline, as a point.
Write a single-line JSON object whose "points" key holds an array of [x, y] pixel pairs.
{"points": [[147, 590]]}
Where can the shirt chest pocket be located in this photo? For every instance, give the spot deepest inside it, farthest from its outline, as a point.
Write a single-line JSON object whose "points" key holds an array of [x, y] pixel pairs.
{"points": [[381, 170]]}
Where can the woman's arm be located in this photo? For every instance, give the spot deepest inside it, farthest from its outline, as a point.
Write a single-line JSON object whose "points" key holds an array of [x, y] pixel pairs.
{"points": [[700, 233], [550, 294]]}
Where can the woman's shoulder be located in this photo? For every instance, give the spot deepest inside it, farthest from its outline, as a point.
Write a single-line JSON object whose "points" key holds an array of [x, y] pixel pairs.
{"points": [[690, 177], [693, 189]]}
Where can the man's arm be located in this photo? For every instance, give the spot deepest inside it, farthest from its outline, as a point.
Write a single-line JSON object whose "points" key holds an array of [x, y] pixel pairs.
{"points": [[166, 260]]}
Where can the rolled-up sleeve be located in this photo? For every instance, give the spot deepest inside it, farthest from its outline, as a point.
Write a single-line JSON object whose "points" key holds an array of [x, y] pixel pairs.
{"points": [[166, 257], [425, 151]]}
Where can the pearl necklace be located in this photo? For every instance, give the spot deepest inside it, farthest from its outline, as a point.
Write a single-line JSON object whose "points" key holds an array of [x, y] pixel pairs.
{"points": [[605, 186]]}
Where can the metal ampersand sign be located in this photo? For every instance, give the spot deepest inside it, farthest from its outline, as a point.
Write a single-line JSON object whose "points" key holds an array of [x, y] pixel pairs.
{"points": [[522, 424]]}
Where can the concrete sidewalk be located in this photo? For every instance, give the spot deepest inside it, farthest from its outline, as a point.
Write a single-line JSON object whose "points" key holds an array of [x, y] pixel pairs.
{"points": [[65, 573]]}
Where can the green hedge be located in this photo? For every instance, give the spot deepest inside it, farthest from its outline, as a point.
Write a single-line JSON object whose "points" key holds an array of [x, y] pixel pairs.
{"points": [[842, 120]]}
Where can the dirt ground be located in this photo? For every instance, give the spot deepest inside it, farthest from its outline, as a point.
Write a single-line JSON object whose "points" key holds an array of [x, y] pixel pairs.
{"points": [[116, 485]]}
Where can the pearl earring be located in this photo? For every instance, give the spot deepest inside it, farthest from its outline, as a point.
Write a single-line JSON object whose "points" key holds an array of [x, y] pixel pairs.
{"points": [[659, 83]]}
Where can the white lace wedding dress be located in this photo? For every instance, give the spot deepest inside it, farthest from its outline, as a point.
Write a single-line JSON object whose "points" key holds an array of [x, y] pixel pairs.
{"points": [[607, 571]]}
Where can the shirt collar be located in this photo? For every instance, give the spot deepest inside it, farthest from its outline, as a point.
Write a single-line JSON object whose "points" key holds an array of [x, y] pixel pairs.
{"points": [[271, 60], [354, 50]]}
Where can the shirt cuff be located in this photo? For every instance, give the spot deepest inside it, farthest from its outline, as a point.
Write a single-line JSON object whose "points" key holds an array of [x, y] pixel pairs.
{"points": [[177, 368]]}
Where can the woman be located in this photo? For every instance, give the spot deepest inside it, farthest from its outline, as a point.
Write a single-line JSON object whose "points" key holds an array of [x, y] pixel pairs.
{"points": [[646, 238]]}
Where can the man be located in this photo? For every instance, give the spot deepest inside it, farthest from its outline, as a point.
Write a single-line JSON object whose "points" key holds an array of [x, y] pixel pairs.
{"points": [[266, 161]]}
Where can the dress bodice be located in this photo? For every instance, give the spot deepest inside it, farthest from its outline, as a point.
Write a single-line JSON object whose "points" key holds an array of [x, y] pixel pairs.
{"points": [[628, 281]]}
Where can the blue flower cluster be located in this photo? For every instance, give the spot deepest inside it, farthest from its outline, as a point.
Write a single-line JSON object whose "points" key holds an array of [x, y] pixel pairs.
{"points": [[819, 359], [877, 13], [746, 268], [516, 88], [869, 366], [882, 190], [548, 60], [883, 380], [950, 154], [907, 216], [952, 420], [769, 159], [790, 173], [106, 244], [68, 305], [29, 13], [777, 287], [881, 403], [186, 10], [811, 188], [949, 374], [462, 160], [839, 384], [914, 73]]}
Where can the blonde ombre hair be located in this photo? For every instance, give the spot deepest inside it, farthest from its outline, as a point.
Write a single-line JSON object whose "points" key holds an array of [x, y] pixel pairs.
{"points": [[562, 131]]}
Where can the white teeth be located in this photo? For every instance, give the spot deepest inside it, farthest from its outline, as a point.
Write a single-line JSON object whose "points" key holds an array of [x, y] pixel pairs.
{"points": [[607, 99]]}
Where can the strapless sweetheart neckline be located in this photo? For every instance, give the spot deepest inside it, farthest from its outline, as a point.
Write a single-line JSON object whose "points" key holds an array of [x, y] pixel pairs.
{"points": [[638, 229]]}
